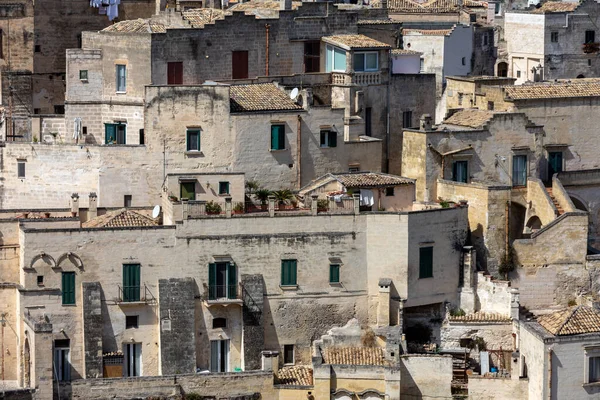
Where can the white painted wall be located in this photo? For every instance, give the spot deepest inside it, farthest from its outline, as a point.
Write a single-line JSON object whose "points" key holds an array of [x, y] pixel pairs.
{"points": [[406, 64], [458, 46]]}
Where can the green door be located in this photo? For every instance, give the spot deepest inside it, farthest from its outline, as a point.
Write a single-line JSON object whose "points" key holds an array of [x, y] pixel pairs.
{"points": [[555, 163], [68, 287], [212, 281], [231, 281], [188, 190], [110, 133], [131, 282]]}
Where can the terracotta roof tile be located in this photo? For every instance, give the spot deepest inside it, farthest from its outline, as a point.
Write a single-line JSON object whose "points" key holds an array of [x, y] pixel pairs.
{"points": [[262, 5], [405, 52], [120, 218], [561, 89], [354, 356], [432, 6], [480, 316], [573, 321], [199, 17], [471, 118], [356, 42], [427, 32], [297, 375], [370, 179], [556, 7], [260, 97], [139, 25], [382, 21]]}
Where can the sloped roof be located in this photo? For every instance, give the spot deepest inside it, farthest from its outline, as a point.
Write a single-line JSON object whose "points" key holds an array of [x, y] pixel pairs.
{"points": [[379, 21], [471, 118], [264, 5], [573, 321], [371, 179], [139, 25], [199, 17], [297, 375], [120, 218], [427, 32], [480, 316], [355, 42], [260, 97], [556, 7], [432, 6], [561, 89], [405, 52], [354, 356]]}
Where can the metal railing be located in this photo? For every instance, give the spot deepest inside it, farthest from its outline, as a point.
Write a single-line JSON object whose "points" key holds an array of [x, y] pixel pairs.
{"points": [[133, 294], [223, 292]]}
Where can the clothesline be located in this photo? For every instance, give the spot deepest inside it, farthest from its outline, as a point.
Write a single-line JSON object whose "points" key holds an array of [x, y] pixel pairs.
{"points": [[110, 8]]}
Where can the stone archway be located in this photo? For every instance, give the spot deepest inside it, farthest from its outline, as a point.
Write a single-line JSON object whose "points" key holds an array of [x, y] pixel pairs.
{"points": [[26, 364], [534, 224], [580, 76]]}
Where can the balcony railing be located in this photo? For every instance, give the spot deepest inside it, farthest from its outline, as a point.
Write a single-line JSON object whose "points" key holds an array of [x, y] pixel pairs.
{"points": [[357, 78], [223, 294], [135, 294]]}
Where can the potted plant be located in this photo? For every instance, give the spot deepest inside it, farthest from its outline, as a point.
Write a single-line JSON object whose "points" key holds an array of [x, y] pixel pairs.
{"points": [[213, 208], [322, 205], [252, 187], [262, 195], [238, 208], [172, 197], [283, 196]]}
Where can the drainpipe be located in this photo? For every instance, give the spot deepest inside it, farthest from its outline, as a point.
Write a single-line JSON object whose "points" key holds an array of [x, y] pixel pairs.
{"points": [[299, 151], [549, 374], [506, 227], [387, 127], [267, 26]]}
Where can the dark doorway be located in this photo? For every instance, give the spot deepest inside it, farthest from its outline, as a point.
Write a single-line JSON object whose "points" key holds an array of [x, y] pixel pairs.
{"points": [[368, 121], [503, 69], [312, 56], [175, 73], [239, 64], [555, 163]]}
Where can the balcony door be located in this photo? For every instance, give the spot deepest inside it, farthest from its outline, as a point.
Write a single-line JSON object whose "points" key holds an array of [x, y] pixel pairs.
{"points": [[219, 356], [132, 359], [222, 281]]}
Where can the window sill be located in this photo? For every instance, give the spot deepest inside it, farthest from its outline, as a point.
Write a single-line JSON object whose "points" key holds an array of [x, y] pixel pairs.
{"points": [[117, 92], [327, 147], [69, 305], [591, 384], [336, 284], [84, 80], [277, 150], [427, 277], [224, 194], [195, 153], [288, 287]]}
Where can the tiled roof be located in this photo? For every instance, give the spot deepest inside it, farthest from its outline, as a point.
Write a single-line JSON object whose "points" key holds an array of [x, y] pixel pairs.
{"points": [[260, 97], [385, 21], [120, 218], [356, 42], [471, 118], [427, 32], [573, 321], [481, 317], [556, 7], [139, 25], [405, 52], [354, 356], [297, 375], [261, 9], [432, 6], [199, 17], [561, 89], [370, 179]]}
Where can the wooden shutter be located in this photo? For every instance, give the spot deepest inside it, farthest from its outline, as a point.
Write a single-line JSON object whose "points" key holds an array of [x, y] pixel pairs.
{"points": [[334, 273], [231, 281], [175, 73], [110, 133], [426, 262], [288, 272], [212, 281], [239, 64], [277, 137], [68, 288], [332, 139], [131, 282]]}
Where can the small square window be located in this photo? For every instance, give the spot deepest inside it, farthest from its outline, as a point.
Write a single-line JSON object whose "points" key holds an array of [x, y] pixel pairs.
{"points": [[37, 110], [223, 187], [59, 109], [334, 273], [464, 61], [328, 138], [193, 140], [132, 321], [554, 37], [219, 323], [84, 130], [518, 74], [288, 354], [277, 137], [21, 169], [83, 74], [425, 262], [37, 48], [40, 280], [127, 200], [389, 191]]}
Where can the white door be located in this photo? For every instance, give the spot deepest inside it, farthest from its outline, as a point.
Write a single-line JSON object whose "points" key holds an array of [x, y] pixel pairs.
{"points": [[62, 364], [132, 359], [219, 356]]}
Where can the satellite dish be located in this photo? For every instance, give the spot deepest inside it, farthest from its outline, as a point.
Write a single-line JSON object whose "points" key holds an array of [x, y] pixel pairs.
{"points": [[156, 211], [294, 93]]}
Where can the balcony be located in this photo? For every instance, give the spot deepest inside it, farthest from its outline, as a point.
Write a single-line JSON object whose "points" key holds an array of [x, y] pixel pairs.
{"points": [[592, 47], [356, 78], [223, 295], [135, 295]]}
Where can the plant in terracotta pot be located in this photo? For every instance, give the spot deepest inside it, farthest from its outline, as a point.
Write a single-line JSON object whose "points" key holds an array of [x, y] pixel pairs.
{"points": [[283, 197], [213, 208], [238, 208], [322, 205], [262, 195]]}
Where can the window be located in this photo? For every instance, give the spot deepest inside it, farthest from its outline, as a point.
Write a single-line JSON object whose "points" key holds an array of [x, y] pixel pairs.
{"points": [[222, 281], [142, 137], [219, 323], [1, 44], [277, 137], [84, 130], [131, 282], [518, 74], [407, 119], [193, 140], [223, 187], [121, 78], [62, 360], [425, 262], [83, 74], [594, 370], [354, 168], [59, 109], [589, 62], [464, 61], [188, 190], [335, 59], [239, 64], [68, 288], [132, 359], [460, 171], [127, 200], [590, 36], [389, 191], [334, 273], [288, 354], [490, 105], [368, 121], [288, 272], [37, 110], [312, 56], [368, 61], [132, 321], [519, 170], [555, 163], [79, 41], [497, 8], [21, 169], [485, 39], [460, 99], [37, 48], [554, 37], [115, 133], [422, 65], [219, 355], [40, 280], [174, 73], [328, 139]]}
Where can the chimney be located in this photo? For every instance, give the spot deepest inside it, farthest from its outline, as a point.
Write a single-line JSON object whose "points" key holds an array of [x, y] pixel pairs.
{"points": [[93, 207], [74, 204], [383, 308], [285, 4], [426, 124], [270, 361]]}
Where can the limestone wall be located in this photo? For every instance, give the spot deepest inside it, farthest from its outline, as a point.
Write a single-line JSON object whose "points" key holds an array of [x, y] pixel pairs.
{"points": [[419, 381], [481, 388], [540, 202]]}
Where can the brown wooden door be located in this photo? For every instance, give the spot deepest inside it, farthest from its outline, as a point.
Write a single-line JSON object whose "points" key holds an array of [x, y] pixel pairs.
{"points": [[175, 73], [239, 64]]}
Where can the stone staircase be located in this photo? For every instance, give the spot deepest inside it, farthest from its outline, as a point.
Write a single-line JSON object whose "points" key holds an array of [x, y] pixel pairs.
{"points": [[556, 204]]}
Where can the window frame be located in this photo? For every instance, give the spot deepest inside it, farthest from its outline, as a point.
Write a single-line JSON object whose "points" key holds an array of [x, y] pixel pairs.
{"points": [[66, 369], [390, 191], [515, 182], [455, 164], [591, 33], [188, 144], [285, 353], [407, 116], [224, 326], [314, 60], [292, 277], [68, 294], [280, 137], [184, 183], [554, 37], [121, 87], [226, 185], [330, 65], [21, 169], [115, 126], [328, 138], [364, 55], [129, 325], [590, 353], [83, 75], [428, 272], [132, 293], [334, 272]]}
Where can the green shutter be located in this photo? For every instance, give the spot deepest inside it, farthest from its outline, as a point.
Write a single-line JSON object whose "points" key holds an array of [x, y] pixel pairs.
{"points": [[324, 138], [288, 272], [425, 262], [68, 287], [284, 273], [188, 190], [212, 281], [110, 133], [274, 137], [131, 282], [231, 281], [334, 273], [332, 139]]}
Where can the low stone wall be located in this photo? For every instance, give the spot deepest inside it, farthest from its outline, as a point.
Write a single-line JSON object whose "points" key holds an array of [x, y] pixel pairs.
{"points": [[418, 377], [541, 203], [481, 388]]}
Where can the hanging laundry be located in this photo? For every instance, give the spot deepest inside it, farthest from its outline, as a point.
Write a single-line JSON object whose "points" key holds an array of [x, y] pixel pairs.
{"points": [[366, 197], [77, 128], [112, 11]]}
